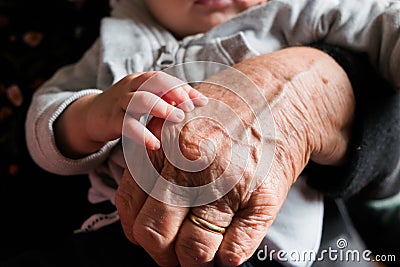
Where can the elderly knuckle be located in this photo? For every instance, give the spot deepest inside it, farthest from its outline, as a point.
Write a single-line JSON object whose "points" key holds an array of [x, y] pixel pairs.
{"points": [[233, 257], [195, 251], [147, 233]]}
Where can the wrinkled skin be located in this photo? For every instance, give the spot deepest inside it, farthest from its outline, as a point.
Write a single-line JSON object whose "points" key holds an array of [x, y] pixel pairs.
{"points": [[312, 106]]}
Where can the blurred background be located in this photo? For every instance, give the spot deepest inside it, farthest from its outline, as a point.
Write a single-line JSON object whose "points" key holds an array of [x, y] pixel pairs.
{"points": [[36, 38]]}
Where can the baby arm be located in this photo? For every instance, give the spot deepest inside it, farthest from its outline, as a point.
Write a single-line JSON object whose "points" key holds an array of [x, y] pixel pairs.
{"points": [[92, 121], [71, 85]]}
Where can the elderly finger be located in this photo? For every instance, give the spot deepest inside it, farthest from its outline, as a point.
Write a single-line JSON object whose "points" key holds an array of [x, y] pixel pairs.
{"points": [[197, 246], [251, 223], [129, 199], [202, 233], [158, 223]]}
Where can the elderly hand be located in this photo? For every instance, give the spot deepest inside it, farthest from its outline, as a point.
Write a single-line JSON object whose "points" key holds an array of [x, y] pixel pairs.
{"points": [[307, 108]]}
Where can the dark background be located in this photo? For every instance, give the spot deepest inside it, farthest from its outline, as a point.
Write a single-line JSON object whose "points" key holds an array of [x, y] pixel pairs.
{"points": [[36, 38]]}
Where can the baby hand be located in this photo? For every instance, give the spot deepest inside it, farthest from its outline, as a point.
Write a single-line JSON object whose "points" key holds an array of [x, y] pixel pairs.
{"points": [[162, 96]]}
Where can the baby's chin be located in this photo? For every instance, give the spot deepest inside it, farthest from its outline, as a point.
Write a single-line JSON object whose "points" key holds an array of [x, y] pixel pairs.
{"points": [[200, 27]]}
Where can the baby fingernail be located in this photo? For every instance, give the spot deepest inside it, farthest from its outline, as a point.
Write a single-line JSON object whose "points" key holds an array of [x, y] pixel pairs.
{"points": [[187, 106], [178, 115], [201, 101], [157, 146]]}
